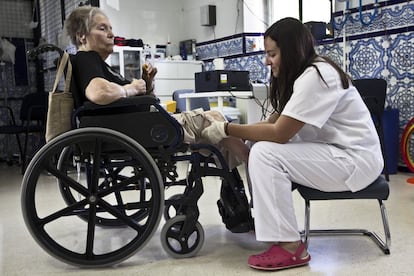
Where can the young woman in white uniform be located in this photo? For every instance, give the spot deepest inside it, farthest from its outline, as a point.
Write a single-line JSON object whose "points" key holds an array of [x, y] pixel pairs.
{"points": [[321, 136]]}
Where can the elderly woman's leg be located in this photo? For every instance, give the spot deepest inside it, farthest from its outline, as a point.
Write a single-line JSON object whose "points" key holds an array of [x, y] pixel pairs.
{"points": [[195, 121]]}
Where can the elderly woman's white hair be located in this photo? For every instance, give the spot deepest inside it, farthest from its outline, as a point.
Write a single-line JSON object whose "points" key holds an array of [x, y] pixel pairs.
{"points": [[80, 22]]}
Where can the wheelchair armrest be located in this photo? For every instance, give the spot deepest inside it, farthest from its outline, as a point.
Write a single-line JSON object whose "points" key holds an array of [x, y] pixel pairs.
{"points": [[137, 101], [123, 105], [141, 118]]}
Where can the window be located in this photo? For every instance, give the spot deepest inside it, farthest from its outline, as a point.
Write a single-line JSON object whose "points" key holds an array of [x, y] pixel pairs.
{"points": [[316, 10], [312, 10], [282, 8]]}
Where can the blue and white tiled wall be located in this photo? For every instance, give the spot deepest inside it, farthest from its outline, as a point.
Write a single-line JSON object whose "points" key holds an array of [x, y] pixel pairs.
{"points": [[240, 52], [384, 48], [380, 44]]}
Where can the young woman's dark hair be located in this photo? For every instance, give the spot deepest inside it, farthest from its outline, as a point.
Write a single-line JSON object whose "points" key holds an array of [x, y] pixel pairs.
{"points": [[297, 50]]}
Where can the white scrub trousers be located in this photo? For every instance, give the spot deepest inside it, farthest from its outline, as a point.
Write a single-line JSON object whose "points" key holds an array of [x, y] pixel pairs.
{"points": [[272, 169]]}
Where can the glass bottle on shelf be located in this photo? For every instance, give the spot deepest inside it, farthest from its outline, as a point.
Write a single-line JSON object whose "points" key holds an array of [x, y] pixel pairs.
{"points": [[126, 61], [132, 64]]}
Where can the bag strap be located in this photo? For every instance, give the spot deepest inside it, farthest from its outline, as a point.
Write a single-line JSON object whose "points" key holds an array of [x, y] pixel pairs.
{"points": [[68, 75], [64, 60]]}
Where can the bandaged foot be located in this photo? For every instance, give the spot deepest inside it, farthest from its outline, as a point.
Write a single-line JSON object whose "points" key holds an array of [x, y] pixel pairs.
{"points": [[215, 132]]}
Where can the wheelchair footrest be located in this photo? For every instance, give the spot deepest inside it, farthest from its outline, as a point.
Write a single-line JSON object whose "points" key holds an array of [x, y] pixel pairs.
{"points": [[237, 220]]}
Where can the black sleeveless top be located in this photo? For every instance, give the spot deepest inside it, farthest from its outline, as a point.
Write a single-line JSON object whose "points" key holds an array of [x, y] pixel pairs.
{"points": [[85, 67]]}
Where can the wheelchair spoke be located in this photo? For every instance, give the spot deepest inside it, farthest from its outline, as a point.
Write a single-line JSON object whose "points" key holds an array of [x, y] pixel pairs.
{"points": [[184, 246], [64, 212], [91, 230], [118, 186], [116, 213], [97, 151], [68, 181]]}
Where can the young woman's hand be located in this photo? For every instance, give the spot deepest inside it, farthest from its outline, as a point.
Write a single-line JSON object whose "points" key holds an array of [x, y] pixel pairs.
{"points": [[216, 131]]}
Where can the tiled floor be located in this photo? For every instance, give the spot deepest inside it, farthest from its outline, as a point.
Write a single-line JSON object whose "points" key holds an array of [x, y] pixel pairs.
{"points": [[223, 252]]}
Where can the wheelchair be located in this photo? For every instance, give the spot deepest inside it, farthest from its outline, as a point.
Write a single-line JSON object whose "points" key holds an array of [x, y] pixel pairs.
{"points": [[108, 177]]}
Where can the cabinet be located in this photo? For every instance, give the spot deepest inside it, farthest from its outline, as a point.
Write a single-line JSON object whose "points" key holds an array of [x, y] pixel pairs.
{"points": [[126, 61], [174, 75]]}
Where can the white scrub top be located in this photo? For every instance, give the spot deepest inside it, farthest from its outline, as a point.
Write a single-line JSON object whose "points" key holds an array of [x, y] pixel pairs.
{"points": [[337, 117]]}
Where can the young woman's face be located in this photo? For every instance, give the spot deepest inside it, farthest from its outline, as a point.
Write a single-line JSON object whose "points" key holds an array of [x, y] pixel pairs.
{"points": [[101, 37], [273, 56]]}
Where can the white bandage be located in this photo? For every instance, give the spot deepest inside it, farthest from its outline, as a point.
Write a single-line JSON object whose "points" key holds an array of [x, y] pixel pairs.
{"points": [[215, 132], [124, 92]]}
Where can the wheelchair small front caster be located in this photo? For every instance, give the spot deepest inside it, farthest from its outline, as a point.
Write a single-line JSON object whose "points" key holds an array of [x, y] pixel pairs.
{"points": [[179, 246]]}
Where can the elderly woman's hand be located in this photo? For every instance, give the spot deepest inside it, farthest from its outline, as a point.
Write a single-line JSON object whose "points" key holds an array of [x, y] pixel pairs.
{"points": [[148, 74], [139, 86], [149, 71]]}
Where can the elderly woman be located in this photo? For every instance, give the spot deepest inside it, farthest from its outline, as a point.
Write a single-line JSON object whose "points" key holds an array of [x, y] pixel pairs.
{"points": [[91, 32]]}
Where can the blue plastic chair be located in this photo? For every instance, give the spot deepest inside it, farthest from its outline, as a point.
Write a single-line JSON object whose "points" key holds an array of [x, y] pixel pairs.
{"points": [[194, 102]]}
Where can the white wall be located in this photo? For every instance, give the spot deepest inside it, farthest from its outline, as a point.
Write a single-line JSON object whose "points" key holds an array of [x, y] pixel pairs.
{"points": [[228, 20], [255, 16], [152, 21], [157, 20]]}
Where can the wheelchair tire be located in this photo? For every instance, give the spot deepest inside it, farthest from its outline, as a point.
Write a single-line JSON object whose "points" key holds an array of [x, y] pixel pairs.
{"points": [[177, 244], [68, 229], [406, 145]]}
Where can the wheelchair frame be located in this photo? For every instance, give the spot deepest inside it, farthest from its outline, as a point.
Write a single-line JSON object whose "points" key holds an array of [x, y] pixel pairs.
{"points": [[111, 178]]}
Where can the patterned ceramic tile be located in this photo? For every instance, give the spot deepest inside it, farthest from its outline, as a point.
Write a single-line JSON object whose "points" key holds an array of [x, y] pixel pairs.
{"points": [[366, 59], [384, 48]]}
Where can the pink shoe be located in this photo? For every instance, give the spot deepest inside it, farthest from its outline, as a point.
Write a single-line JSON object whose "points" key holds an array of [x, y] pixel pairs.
{"points": [[276, 258]]}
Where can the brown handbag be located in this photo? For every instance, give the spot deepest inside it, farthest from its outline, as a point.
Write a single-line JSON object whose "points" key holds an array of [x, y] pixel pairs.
{"points": [[60, 108]]}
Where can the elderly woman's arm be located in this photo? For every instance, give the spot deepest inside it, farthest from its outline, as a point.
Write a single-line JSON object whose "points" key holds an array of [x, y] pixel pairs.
{"points": [[102, 91]]}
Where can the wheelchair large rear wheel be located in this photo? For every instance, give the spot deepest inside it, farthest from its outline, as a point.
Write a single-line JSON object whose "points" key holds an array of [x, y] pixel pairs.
{"points": [[67, 226], [70, 163]]}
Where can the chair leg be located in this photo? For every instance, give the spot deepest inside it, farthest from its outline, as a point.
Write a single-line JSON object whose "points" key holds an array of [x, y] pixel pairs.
{"points": [[24, 154], [19, 145], [307, 223], [383, 245]]}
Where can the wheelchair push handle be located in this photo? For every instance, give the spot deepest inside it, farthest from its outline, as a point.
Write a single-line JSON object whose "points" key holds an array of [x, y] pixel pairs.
{"points": [[41, 49]]}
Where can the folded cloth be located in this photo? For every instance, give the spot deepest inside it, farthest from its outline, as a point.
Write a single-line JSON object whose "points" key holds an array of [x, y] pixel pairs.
{"points": [[193, 123]]}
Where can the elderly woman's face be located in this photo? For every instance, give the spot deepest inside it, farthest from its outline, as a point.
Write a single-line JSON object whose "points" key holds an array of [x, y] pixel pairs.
{"points": [[101, 37]]}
